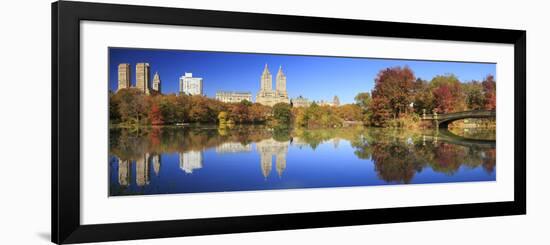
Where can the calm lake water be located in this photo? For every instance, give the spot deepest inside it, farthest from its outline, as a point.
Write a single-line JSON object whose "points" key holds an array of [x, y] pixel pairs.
{"points": [[210, 159]]}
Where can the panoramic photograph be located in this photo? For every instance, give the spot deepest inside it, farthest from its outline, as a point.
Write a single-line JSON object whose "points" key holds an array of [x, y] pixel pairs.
{"points": [[183, 121]]}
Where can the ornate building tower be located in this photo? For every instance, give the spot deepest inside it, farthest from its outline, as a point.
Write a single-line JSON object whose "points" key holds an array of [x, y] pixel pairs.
{"points": [[123, 76], [156, 82], [280, 83], [142, 77], [266, 80], [268, 96], [280, 157]]}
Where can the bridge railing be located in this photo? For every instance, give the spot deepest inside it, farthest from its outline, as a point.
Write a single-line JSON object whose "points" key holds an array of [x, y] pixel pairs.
{"points": [[465, 114]]}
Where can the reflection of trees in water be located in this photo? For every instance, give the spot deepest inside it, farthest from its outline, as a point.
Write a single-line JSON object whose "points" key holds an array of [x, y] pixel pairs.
{"points": [[395, 162], [129, 145], [397, 155]]}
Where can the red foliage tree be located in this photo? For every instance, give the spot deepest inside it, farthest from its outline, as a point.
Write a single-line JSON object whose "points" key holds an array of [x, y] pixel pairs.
{"points": [[448, 94], [392, 94], [490, 92], [155, 115], [443, 99], [239, 113]]}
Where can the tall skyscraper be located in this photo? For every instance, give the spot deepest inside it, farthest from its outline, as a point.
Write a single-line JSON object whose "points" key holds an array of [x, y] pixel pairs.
{"points": [[142, 77], [156, 82], [190, 85], [123, 76]]}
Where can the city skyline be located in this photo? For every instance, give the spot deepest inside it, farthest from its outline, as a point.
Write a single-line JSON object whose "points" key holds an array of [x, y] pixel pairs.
{"points": [[313, 77]]}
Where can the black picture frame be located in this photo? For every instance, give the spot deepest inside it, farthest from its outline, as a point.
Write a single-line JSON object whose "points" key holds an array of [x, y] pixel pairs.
{"points": [[66, 18]]}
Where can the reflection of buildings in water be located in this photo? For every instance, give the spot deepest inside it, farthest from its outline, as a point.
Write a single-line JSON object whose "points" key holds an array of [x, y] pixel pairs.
{"points": [[156, 164], [336, 142], [142, 170], [268, 148], [265, 163], [190, 161], [280, 163], [233, 147], [123, 172]]}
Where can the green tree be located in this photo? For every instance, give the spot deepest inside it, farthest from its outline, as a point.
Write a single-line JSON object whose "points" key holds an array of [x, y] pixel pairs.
{"points": [[282, 113], [473, 92], [363, 100], [246, 102]]}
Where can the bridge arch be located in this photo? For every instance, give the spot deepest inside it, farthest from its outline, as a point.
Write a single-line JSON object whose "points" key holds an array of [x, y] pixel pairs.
{"points": [[443, 120]]}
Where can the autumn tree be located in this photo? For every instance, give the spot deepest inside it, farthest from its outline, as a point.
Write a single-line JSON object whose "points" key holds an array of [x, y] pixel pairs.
{"points": [[223, 117], [473, 91], [423, 97], [168, 107], [350, 112], [203, 109], [448, 94], [490, 92], [114, 114], [444, 99], [258, 113], [155, 115], [392, 94], [183, 106], [132, 106], [239, 112], [315, 116]]}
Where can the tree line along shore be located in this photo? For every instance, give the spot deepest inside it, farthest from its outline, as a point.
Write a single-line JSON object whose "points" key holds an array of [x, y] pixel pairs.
{"points": [[398, 99]]}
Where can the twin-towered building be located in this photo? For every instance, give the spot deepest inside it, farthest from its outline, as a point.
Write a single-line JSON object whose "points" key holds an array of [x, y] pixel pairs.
{"points": [[268, 96], [143, 71]]}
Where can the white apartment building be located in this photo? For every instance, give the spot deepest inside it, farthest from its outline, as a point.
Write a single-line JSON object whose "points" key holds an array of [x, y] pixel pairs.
{"points": [[190, 85]]}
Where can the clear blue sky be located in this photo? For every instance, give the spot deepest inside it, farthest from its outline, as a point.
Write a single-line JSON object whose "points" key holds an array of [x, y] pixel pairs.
{"points": [[314, 77]]}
